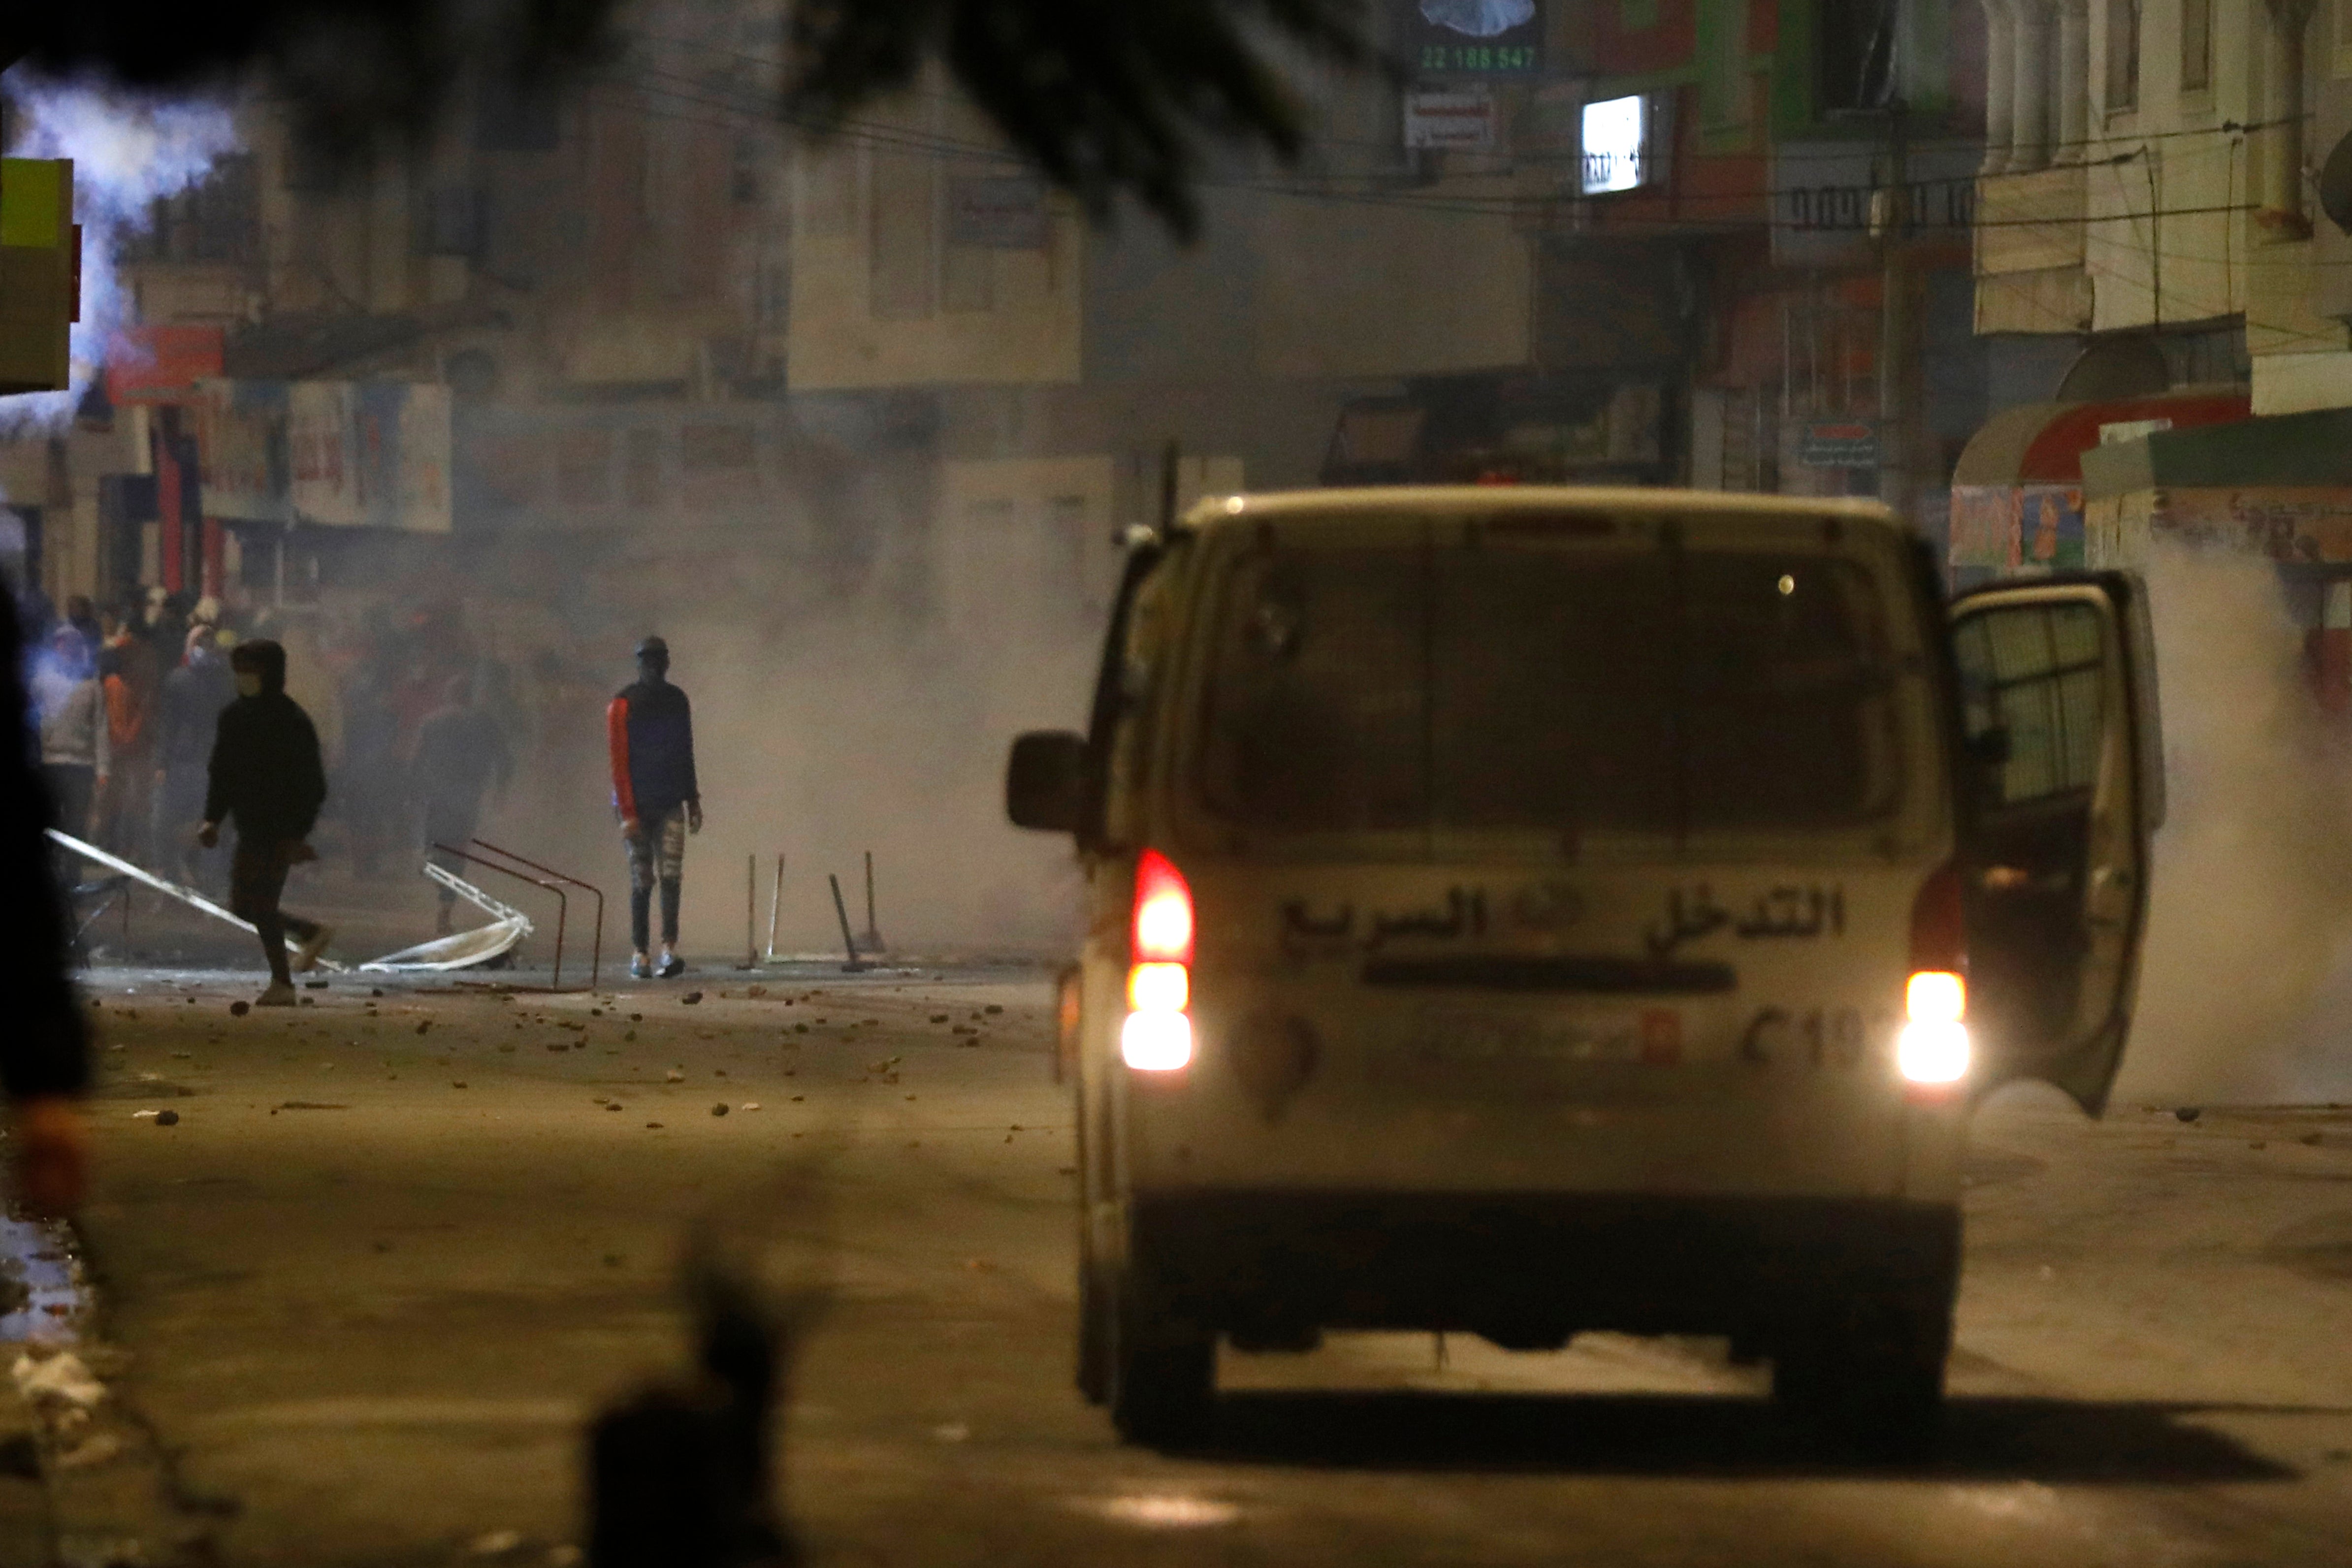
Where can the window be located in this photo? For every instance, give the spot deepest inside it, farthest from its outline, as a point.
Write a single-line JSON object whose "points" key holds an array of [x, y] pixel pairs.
{"points": [[1521, 683], [2123, 54], [2196, 46], [2035, 674]]}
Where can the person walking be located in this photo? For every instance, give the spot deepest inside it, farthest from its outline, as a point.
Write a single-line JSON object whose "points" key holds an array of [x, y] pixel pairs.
{"points": [[461, 755], [266, 775], [649, 728], [189, 709], [77, 748], [128, 675]]}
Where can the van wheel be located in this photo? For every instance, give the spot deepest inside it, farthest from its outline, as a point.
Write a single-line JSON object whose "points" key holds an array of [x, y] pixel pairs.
{"points": [[1162, 1372], [1870, 1374]]}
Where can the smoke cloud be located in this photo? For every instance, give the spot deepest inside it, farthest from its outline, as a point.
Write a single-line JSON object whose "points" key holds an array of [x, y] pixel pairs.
{"points": [[130, 149], [2246, 994]]}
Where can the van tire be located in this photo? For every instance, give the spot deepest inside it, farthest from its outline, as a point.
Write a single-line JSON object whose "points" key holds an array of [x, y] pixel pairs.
{"points": [[1162, 1372], [1869, 1375]]}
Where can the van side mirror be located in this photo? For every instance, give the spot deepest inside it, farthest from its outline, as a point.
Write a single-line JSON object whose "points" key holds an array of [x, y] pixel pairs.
{"points": [[1044, 781]]}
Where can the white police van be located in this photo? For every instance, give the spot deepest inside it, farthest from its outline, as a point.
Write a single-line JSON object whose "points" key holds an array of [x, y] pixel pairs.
{"points": [[1532, 911]]}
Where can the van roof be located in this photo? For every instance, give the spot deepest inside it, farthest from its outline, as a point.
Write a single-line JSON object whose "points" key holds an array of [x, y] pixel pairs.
{"points": [[1215, 510]]}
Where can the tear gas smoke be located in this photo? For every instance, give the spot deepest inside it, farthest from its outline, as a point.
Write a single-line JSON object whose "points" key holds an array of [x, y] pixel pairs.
{"points": [[2246, 990], [130, 149], [833, 713]]}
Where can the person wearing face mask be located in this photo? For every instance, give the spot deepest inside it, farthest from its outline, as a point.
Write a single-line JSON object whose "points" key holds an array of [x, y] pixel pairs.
{"points": [[266, 776], [649, 727], [76, 745]]}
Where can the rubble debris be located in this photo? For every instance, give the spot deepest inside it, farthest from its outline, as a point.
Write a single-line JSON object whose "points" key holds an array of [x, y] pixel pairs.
{"points": [[239, 1008], [691, 998], [90, 1452], [674, 1076], [992, 1008], [457, 1083], [2188, 1112], [652, 1126], [57, 1381], [719, 1109], [495, 1543], [167, 1118], [750, 1105], [424, 1026], [312, 1105]]}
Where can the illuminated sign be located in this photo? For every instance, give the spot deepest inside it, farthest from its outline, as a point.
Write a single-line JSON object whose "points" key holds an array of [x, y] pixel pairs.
{"points": [[1473, 38], [1616, 145]]}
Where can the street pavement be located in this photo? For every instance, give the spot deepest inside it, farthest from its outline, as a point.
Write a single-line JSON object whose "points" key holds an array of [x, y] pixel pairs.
{"points": [[356, 1304]]}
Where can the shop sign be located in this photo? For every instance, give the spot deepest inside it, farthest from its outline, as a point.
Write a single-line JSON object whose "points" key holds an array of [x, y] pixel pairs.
{"points": [[1461, 120], [1837, 442], [1615, 145], [1829, 198], [1472, 37], [160, 364]]}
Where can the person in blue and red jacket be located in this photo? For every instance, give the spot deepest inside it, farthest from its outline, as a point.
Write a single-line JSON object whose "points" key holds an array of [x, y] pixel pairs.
{"points": [[650, 728]]}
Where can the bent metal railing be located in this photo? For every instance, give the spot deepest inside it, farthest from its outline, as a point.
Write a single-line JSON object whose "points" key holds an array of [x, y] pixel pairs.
{"points": [[596, 948], [562, 900]]}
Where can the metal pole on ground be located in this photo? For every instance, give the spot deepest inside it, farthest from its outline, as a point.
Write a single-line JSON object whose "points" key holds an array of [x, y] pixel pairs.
{"points": [[841, 912], [873, 936], [775, 900]]}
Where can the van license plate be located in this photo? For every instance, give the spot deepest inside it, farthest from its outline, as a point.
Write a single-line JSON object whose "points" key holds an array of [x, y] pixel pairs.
{"points": [[1470, 1039]]}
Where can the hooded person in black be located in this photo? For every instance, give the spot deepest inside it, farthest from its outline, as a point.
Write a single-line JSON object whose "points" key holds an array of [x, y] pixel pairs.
{"points": [[266, 776]]}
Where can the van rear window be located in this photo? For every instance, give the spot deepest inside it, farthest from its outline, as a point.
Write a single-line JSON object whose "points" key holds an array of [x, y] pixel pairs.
{"points": [[1501, 683]]}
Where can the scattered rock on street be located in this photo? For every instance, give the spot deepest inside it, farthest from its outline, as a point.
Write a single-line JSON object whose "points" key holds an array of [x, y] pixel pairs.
{"points": [[719, 1109], [167, 1118], [691, 998], [238, 1010]]}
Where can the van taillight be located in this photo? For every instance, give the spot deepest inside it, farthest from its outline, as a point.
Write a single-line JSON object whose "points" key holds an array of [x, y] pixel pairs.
{"points": [[1158, 1034], [1163, 911], [1933, 1050]]}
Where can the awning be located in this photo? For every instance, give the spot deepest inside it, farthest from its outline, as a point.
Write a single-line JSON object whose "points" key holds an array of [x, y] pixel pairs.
{"points": [[2288, 451], [2043, 442]]}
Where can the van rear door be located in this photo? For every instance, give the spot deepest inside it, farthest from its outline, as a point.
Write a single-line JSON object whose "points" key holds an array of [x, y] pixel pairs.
{"points": [[2062, 788]]}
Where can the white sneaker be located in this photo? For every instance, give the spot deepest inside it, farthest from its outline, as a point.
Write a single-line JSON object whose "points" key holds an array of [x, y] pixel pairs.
{"points": [[306, 956], [279, 995]]}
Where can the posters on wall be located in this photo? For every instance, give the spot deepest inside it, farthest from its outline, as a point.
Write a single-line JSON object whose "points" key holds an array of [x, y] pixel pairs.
{"points": [[2018, 529], [241, 444], [327, 453]]}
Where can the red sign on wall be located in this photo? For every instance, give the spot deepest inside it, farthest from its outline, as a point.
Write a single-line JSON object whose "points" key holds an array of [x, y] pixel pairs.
{"points": [[160, 364]]}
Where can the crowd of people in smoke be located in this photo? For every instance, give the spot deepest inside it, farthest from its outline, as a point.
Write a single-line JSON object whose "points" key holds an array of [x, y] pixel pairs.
{"points": [[125, 698]]}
